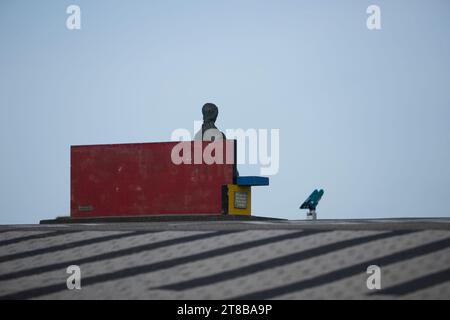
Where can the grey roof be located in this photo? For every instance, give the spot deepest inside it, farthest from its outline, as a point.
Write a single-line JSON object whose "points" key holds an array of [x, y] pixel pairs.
{"points": [[324, 259]]}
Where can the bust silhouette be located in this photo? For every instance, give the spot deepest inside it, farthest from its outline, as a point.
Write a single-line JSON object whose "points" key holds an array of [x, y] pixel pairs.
{"points": [[209, 131]]}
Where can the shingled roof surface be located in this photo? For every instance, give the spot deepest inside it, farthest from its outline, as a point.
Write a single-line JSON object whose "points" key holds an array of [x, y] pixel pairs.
{"points": [[228, 259]]}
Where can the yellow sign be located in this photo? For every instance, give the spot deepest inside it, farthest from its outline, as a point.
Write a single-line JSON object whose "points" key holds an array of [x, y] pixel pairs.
{"points": [[239, 200]]}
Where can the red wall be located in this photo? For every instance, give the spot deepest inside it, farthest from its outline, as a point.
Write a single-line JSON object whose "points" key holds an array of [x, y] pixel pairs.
{"points": [[140, 179]]}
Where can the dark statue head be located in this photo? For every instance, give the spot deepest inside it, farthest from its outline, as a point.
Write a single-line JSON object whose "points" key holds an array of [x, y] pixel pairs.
{"points": [[210, 112]]}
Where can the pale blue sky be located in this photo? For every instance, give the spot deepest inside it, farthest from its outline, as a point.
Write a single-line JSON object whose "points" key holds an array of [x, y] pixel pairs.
{"points": [[363, 114]]}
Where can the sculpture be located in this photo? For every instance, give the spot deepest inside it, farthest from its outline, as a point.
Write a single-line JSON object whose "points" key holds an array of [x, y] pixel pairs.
{"points": [[209, 131]]}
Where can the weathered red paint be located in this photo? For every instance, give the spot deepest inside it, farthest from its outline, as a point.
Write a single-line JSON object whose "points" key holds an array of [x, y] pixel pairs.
{"points": [[140, 179]]}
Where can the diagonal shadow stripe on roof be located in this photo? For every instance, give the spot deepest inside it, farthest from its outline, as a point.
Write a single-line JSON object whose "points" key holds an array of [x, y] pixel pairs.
{"points": [[5, 230], [137, 270], [109, 255], [42, 235], [417, 284], [348, 271], [279, 261], [70, 245]]}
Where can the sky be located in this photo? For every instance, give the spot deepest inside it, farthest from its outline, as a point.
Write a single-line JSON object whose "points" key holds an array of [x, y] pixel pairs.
{"points": [[363, 114]]}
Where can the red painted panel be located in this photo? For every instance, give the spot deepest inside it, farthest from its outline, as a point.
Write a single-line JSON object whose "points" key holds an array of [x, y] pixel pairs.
{"points": [[141, 179]]}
